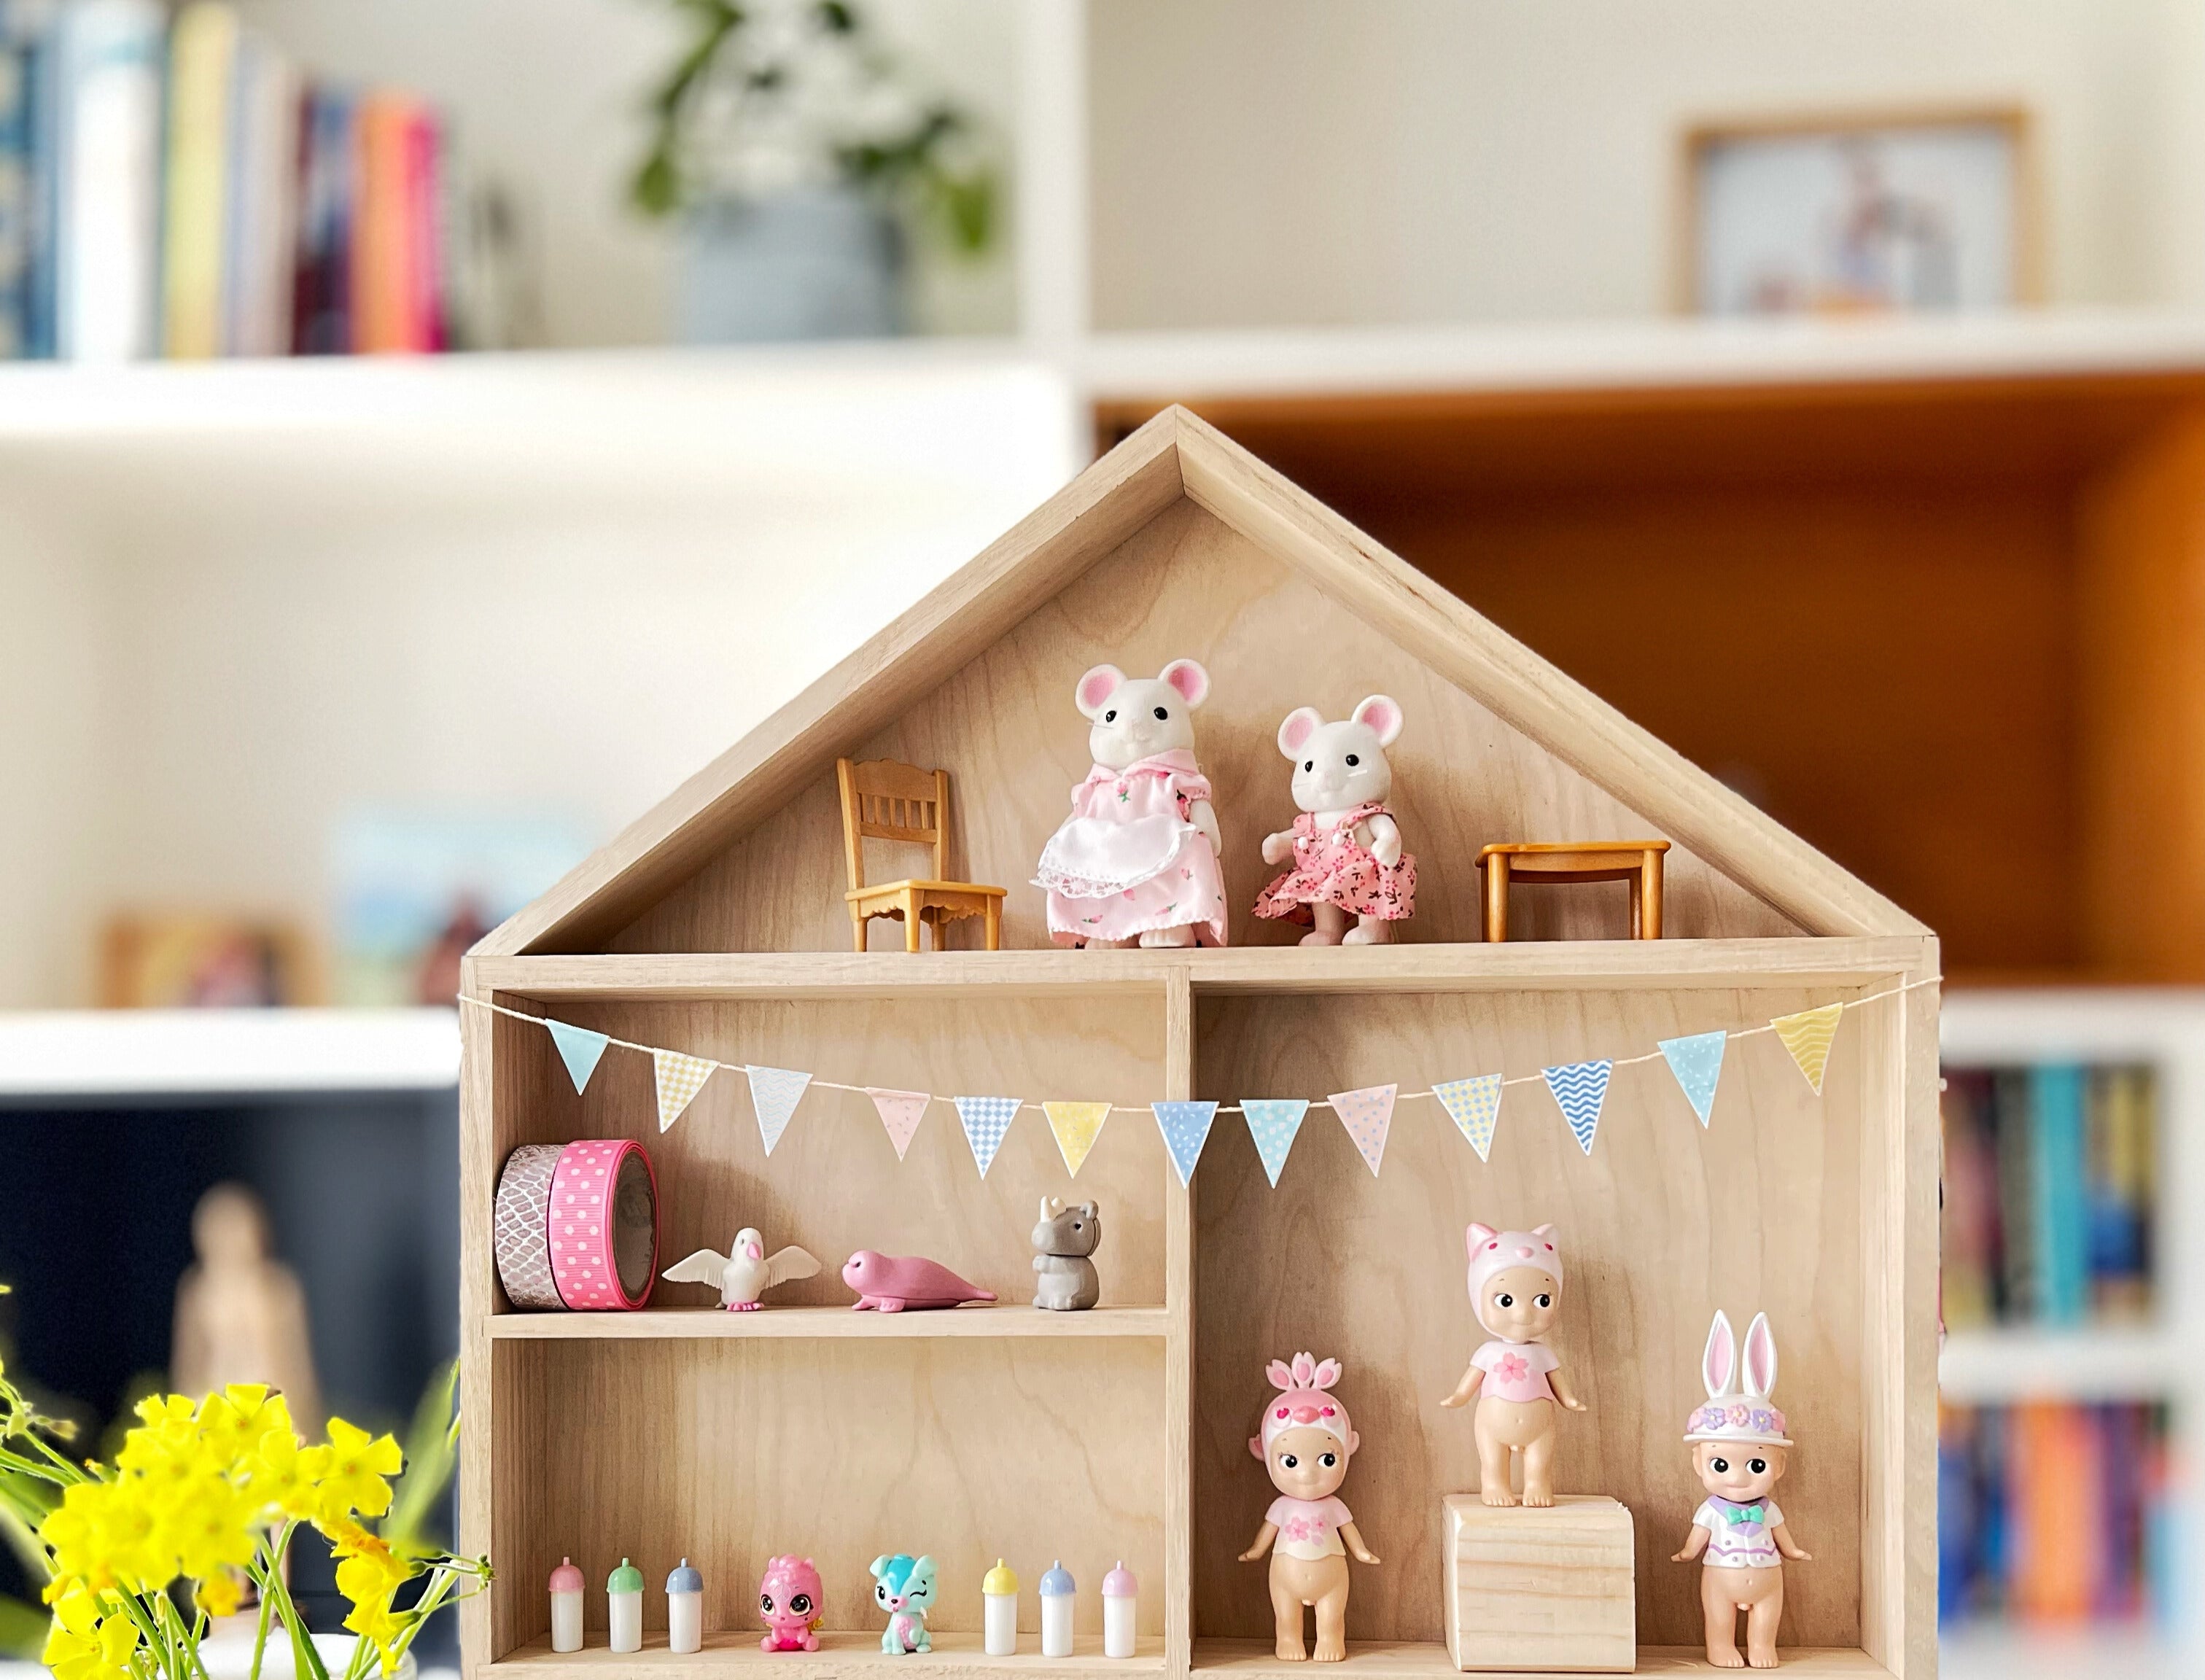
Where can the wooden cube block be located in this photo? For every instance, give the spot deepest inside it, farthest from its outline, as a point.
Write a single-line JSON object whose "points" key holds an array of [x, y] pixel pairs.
{"points": [[1541, 1589]]}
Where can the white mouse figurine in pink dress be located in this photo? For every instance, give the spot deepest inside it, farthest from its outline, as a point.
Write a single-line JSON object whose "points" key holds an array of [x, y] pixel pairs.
{"points": [[1739, 1447], [1137, 858], [1347, 860]]}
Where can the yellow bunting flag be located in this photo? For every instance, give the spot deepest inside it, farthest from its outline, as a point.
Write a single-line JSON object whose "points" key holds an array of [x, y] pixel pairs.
{"points": [[1807, 1036], [680, 1078], [1077, 1126]]}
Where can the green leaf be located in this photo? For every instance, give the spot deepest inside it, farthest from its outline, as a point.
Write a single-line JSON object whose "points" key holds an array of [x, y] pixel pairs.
{"points": [[23, 1628]]}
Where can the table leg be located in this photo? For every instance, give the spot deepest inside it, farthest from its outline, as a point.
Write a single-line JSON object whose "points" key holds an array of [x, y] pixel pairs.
{"points": [[911, 921], [857, 926], [1650, 869], [1637, 904], [994, 922], [1496, 899]]}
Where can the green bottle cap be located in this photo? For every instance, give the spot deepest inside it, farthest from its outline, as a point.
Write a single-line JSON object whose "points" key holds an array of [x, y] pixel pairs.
{"points": [[627, 1578]]}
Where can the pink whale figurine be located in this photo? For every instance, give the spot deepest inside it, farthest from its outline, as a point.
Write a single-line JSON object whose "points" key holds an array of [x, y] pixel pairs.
{"points": [[888, 1283]]}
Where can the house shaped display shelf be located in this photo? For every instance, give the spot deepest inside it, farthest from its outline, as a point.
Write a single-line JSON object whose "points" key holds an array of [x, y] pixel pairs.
{"points": [[716, 925]]}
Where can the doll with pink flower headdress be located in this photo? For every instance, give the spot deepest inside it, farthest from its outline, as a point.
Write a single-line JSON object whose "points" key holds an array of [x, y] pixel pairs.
{"points": [[1305, 1442], [1516, 1292], [1738, 1448]]}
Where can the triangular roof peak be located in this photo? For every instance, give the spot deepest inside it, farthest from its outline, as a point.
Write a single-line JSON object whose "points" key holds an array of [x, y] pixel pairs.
{"points": [[1177, 454]]}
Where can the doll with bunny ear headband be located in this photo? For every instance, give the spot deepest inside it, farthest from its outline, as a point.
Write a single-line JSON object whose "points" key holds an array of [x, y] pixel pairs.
{"points": [[1739, 1449]]}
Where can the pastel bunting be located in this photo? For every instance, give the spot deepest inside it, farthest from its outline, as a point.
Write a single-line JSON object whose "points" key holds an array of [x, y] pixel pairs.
{"points": [[579, 1048], [901, 1112], [1185, 1129], [1580, 1088], [1696, 1062], [986, 1119], [1367, 1114], [1474, 1105], [1075, 1125], [774, 1093], [680, 1078], [1272, 1123], [1807, 1036]]}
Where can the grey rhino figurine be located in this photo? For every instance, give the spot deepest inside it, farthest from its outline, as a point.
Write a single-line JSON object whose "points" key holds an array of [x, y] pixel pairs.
{"points": [[1065, 1280]]}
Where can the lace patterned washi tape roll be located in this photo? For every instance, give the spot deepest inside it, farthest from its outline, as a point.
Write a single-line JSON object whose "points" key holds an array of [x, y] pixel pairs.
{"points": [[577, 1226]]}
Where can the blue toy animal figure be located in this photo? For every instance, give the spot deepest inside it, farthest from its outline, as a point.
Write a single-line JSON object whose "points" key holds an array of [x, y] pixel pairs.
{"points": [[903, 1586]]}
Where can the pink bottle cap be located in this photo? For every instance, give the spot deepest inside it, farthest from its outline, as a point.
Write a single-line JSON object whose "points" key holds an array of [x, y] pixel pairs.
{"points": [[566, 1578], [1119, 1583]]}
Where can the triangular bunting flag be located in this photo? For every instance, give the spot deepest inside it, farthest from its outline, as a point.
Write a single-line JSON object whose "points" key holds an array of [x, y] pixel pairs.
{"points": [[1474, 1105], [1698, 1063], [680, 1078], [1185, 1127], [1076, 1126], [774, 1093], [1367, 1114], [1807, 1036], [579, 1048], [900, 1113], [1580, 1088], [986, 1119], [1272, 1122]]}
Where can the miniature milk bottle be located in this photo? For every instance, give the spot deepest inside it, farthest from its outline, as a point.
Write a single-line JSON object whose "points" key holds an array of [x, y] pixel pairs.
{"points": [[624, 1592], [999, 1610], [566, 1606], [684, 1610], [1118, 1591], [1057, 1591]]}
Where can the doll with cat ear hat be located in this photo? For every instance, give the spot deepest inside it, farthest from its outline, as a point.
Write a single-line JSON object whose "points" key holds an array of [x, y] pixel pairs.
{"points": [[1516, 1293], [1740, 1451]]}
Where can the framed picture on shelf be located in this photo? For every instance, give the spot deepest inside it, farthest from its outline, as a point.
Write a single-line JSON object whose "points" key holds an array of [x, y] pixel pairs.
{"points": [[1923, 212], [202, 960]]}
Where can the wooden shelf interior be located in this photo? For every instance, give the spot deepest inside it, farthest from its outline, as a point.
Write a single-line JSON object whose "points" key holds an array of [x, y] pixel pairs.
{"points": [[1943, 630]]}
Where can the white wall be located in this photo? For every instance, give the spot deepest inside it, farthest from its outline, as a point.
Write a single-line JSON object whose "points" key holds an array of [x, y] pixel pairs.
{"points": [[1300, 162], [548, 95], [472, 588]]}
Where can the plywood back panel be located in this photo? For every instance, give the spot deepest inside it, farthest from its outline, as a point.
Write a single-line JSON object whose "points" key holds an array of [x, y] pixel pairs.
{"points": [[728, 1453], [833, 1183], [1186, 585], [1662, 1224]]}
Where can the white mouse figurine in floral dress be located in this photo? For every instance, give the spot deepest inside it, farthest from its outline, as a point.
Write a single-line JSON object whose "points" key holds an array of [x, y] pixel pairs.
{"points": [[1137, 860], [1738, 1448], [1348, 863]]}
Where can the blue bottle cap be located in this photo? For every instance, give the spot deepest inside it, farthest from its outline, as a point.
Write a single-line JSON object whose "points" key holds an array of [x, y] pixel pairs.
{"points": [[1057, 1582], [685, 1579]]}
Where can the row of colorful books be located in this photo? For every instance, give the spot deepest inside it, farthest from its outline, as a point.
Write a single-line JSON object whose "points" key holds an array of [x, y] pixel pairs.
{"points": [[177, 188], [2052, 1512], [2049, 1185]]}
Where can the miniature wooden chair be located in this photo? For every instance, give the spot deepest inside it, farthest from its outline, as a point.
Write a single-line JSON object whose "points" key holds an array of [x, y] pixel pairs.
{"points": [[1638, 862], [883, 799]]}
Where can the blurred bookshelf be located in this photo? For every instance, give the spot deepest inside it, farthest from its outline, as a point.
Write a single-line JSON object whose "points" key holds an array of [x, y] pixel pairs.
{"points": [[2071, 1373]]}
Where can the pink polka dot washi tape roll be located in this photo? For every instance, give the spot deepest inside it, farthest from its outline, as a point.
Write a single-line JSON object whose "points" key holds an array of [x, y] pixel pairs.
{"points": [[577, 1226]]}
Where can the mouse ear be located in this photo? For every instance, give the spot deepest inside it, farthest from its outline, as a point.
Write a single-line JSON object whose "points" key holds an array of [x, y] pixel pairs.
{"points": [[1759, 1357], [1382, 714], [1719, 1363], [1295, 731], [1096, 687], [1191, 681]]}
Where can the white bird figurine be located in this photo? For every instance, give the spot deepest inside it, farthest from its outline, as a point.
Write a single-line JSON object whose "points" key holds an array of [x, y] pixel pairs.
{"points": [[745, 1274]]}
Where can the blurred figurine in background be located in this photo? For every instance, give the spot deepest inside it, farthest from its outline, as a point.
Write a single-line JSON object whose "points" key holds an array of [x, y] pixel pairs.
{"points": [[240, 1314]]}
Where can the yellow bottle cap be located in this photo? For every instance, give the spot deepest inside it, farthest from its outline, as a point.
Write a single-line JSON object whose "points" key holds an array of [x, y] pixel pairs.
{"points": [[999, 1579]]}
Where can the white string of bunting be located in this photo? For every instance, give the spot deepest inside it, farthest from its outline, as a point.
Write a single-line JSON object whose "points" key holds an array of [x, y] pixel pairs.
{"points": [[1473, 1103]]}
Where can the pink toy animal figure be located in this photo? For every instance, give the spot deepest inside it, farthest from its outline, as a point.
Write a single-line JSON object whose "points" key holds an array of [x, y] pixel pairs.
{"points": [[1137, 858], [887, 1283], [1516, 1291], [1306, 1443], [1739, 1446], [789, 1599], [1346, 848]]}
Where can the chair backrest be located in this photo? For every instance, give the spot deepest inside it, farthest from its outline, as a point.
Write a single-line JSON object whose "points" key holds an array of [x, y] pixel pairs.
{"points": [[883, 799]]}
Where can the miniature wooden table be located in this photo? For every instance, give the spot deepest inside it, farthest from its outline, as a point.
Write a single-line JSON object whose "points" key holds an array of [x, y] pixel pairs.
{"points": [[1638, 862]]}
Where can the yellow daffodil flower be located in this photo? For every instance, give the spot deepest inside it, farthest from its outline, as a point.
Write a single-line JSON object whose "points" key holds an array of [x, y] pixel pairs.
{"points": [[81, 1646], [351, 1477]]}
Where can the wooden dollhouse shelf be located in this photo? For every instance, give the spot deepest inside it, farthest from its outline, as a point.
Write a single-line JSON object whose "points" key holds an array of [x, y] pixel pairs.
{"points": [[838, 1654], [821, 1323], [1250, 970], [1247, 1659]]}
